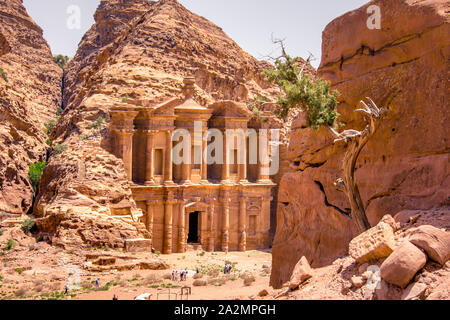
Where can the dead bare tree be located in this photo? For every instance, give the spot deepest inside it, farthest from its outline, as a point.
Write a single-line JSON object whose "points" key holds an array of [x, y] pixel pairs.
{"points": [[356, 140]]}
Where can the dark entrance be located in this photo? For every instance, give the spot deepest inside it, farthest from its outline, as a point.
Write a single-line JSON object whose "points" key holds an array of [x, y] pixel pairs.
{"points": [[193, 227]]}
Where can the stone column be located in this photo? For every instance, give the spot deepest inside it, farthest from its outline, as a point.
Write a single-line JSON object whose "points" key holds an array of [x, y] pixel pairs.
{"points": [[204, 161], [264, 222], [125, 150], [243, 224], [226, 224], [212, 233], [168, 226], [168, 174], [149, 165], [243, 166], [226, 156], [149, 220], [186, 167], [182, 228], [263, 169]]}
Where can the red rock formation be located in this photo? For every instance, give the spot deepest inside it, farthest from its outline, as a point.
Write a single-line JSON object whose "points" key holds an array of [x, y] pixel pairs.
{"points": [[405, 165], [142, 50], [30, 93]]}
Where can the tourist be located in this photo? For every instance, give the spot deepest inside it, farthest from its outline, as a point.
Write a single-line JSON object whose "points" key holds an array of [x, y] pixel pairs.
{"points": [[198, 271], [229, 268], [115, 298], [97, 283], [225, 269], [66, 289]]}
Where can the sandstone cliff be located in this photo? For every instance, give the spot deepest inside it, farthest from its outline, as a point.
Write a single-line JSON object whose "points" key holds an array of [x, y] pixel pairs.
{"points": [[30, 93], [402, 67], [140, 50]]}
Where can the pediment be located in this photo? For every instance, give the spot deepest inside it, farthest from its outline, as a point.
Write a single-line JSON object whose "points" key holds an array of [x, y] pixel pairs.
{"points": [[230, 109]]}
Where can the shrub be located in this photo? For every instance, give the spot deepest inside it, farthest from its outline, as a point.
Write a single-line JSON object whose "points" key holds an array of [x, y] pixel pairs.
{"points": [[1, 232], [299, 91], [125, 98], [84, 137], [59, 111], [249, 281], [61, 60], [49, 126], [35, 172], [28, 225], [10, 244], [58, 149], [98, 123], [3, 74]]}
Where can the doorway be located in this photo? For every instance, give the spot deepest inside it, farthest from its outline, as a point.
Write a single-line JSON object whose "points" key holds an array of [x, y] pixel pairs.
{"points": [[193, 227]]}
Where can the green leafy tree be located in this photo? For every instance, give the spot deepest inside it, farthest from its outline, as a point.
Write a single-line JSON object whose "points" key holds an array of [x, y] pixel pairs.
{"points": [[299, 90], [35, 172], [61, 60]]}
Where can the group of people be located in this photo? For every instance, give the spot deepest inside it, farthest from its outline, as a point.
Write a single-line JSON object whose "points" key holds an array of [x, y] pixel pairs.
{"points": [[179, 275], [227, 269]]}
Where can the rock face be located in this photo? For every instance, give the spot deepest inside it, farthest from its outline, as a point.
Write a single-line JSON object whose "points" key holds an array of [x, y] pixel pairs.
{"points": [[141, 51], [405, 165], [30, 93], [402, 265], [435, 242]]}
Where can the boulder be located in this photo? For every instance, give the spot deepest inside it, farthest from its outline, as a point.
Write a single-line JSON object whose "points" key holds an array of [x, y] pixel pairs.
{"points": [[302, 272], [263, 293], [376, 243], [357, 282], [415, 291], [200, 283], [403, 264], [138, 245], [434, 241]]}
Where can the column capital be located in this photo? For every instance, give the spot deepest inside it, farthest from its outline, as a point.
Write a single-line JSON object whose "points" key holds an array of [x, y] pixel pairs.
{"points": [[124, 131], [150, 132], [243, 199], [171, 201]]}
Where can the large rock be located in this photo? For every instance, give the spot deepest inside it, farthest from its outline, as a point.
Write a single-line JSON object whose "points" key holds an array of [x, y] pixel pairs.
{"points": [[30, 93], [301, 273], [143, 50], [402, 67], [376, 243], [415, 291], [403, 264], [435, 242]]}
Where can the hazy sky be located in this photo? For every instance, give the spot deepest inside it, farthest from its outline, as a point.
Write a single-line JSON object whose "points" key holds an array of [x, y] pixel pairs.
{"points": [[248, 22]]}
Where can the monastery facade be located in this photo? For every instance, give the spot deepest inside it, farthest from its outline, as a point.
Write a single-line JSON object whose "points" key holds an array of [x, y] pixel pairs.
{"points": [[216, 207]]}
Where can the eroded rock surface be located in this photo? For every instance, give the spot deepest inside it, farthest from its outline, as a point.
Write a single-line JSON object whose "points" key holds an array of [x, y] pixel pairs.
{"points": [[30, 93], [405, 165]]}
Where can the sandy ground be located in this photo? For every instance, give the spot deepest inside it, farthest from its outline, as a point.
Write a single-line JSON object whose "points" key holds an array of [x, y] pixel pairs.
{"points": [[230, 287], [40, 271]]}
